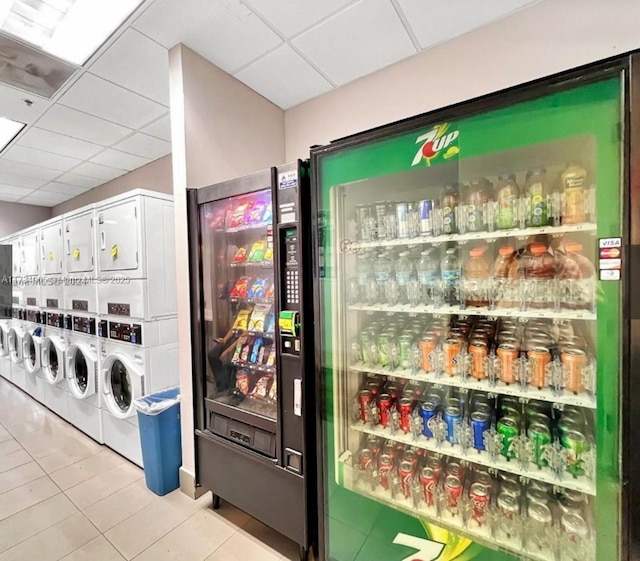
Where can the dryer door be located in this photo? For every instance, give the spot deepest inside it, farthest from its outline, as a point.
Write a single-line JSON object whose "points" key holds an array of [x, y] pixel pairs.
{"points": [[78, 236], [52, 359], [118, 244], [31, 351], [15, 345], [82, 370], [4, 339], [122, 383]]}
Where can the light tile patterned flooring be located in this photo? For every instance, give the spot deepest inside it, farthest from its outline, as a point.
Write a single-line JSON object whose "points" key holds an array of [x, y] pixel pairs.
{"points": [[65, 497]]}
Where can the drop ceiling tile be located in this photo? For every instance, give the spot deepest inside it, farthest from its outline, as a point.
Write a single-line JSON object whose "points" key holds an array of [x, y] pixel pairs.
{"points": [[45, 198], [146, 70], [292, 16], [35, 157], [224, 31], [99, 172], [8, 198], [122, 160], [58, 143], [434, 21], [76, 124], [271, 77], [14, 190], [160, 128], [34, 172], [80, 180], [20, 181], [12, 106], [63, 188], [103, 99], [145, 146], [359, 40]]}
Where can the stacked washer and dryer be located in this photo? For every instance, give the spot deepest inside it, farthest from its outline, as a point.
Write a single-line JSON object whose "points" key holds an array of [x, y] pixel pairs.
{"points": [[96, 326], [137, 309]]}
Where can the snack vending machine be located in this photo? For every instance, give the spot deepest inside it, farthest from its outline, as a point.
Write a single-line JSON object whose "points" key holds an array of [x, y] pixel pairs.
{"points": [[253, 386], [472, 328]]}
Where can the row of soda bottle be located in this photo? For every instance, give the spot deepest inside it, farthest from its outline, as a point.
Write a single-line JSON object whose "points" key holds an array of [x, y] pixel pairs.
{"points": [[473, 492], [534, 433], [482, 206], [537, 353], [555, 276]]}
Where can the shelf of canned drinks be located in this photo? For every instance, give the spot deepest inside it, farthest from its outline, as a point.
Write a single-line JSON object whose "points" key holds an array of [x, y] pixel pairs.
{"points": [[447, 310], [471, 236], [491, 456], [532, 532], [492, 384]]}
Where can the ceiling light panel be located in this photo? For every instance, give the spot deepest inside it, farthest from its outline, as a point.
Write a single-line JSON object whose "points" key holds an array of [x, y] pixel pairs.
{"points": [[8, 131], [68, 29]]}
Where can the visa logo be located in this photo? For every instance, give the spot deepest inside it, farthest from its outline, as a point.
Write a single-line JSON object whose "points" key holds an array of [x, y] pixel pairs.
{"points": [[610, 242]]}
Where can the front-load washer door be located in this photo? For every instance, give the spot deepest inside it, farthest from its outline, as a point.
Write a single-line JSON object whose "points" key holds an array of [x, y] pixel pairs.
{"points": [[31, 351], [52, 361], [122, 383], [4, 339], [15, 345], [82, 370]]}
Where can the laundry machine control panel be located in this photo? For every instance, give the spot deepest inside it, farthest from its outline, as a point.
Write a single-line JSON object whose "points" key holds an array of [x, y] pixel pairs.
{"points": [[126, 332], [55, 320], [83, 324]]}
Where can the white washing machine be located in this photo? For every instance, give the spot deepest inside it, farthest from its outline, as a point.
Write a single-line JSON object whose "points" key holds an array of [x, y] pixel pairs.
{"points": [[80, 291], [82, 377], [15, 339], [135, 359], [5, 357], [31, 355], [136, 252], [53, 355], [51, 255]]}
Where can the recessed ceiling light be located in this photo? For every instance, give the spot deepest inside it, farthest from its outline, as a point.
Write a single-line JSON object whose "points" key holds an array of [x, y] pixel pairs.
{"points": [[70, 29], [8, 130]]}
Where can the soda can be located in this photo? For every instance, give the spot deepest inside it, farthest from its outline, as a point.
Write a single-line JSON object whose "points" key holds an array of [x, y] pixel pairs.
{"points": [[480, 423], [404, 347], [452, 417], [454, 467], [540, 435], [428, 480], [405, 472], [479, 351], [453, 490], [365, 342], [390, 450], [483, 478], [435, 463], [539, 359], [393, 389], [575, 526], [365, 397], [508, 505], [385, 401], [537, 408], [508, 403], [451, 348], [511, 487], [479, 495], [508, 359], [380, 212], [365, 223], [385, 465], [428, 412], [574, 360], [411, 457], [402, 219], [571, 501], [383, 343], [426, 220], [373, 444], [508, 428], [540, 513], [576, 444], [537, 496], [405, 407], [573, 412], [365, 459]]}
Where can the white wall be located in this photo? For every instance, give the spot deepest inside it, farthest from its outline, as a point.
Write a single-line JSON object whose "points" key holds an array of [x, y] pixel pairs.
{"points": [[15, 217], [220, 129], [549, 37]]}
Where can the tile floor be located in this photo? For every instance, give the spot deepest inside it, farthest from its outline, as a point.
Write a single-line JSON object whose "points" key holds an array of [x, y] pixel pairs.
{"points": [[65, 497]]}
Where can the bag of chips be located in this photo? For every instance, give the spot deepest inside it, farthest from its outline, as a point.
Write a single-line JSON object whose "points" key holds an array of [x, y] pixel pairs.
{"points": [[256, 212], [257, 251], [270, 293], [242, 381], [271, 324], [257, 289], [268, 254], [240, 256], [238, 350], [260, 389], [240, 288], [241, 322], [271, 359], [238, 215], [246, 349], [273, 390], [259, 317]]}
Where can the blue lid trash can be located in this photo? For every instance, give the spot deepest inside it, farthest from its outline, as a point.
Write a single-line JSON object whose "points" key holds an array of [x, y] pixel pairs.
{"points": [[159, 424]]}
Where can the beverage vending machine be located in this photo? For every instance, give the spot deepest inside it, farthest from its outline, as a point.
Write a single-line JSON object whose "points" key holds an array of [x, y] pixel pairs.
{"points": [[252, 341], [474, 328]]}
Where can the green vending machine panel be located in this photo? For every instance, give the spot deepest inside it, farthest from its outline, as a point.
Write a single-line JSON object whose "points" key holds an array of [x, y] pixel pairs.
{"points": [[469, 328]]}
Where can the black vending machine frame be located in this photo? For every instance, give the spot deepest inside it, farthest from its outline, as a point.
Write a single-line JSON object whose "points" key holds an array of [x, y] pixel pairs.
{"points": [[279, 491], [627, 66]]}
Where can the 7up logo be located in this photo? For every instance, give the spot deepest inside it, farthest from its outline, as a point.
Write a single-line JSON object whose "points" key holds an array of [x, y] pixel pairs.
{"points": [[435, 142], [427, 549]]}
